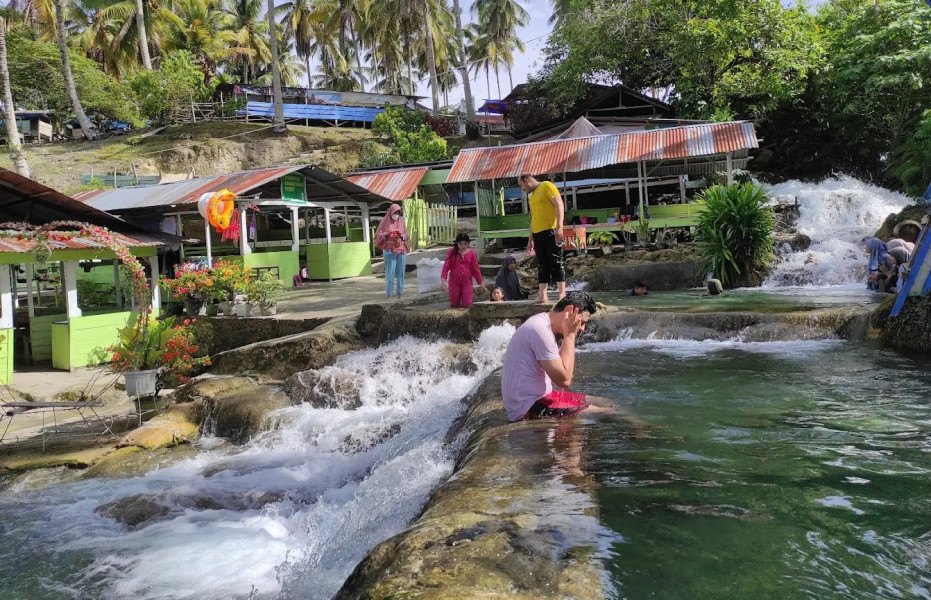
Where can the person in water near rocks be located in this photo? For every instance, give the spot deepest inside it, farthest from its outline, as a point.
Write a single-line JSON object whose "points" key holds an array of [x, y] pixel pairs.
{"points": [[533, 363], [639, 289], [497, 295], [460, 268], [879, 260], [509, 282], [547, 213]]}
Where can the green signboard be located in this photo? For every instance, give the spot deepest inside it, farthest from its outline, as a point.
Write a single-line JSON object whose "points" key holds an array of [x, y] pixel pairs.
{"points": [[292, 188]]}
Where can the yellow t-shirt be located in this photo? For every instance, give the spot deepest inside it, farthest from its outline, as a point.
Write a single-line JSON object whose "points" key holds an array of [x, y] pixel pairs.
{"points": [[543, 214]]}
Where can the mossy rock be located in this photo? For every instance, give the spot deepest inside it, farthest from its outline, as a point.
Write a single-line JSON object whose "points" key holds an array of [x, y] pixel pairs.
{"points": [[913, 212], [911, 328]]}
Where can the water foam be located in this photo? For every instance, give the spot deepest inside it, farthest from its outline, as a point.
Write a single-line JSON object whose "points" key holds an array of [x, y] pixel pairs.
{"points": [[690, 348], [836, 214], [287, 515]]}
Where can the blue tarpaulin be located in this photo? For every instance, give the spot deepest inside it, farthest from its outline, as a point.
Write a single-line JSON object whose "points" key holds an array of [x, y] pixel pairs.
{"points": [[314, 112]]}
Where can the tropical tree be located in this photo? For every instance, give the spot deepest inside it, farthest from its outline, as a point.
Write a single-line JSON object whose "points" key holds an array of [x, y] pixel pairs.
{"points": [[202, 28], [68, 76], [245, 20], [143, 38], [278, 124], [463, 62], [290, 66], [498, 20], [301, 19], [17, 155]]}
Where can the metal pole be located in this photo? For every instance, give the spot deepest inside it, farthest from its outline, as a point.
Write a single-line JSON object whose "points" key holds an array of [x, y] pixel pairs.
{"points": [[209, 244]]}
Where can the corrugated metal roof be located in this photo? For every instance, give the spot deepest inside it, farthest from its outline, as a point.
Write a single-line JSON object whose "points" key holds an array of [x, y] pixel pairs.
{"points": [[583, 154], [320, 185], [11, 244], [396, 185], [181, 192]]}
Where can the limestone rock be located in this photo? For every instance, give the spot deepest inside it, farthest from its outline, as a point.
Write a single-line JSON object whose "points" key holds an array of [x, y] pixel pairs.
{"points": [[172, 427], [657, 275], [211, 387], [328, 387], [133, 511], [241, 415]]}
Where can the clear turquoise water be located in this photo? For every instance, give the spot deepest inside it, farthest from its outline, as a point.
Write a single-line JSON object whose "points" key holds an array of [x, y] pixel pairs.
{"points": [[771, 470]]}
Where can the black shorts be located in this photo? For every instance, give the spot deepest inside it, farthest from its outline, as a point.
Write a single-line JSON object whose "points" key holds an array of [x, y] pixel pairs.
{"points": [[549, 257]]}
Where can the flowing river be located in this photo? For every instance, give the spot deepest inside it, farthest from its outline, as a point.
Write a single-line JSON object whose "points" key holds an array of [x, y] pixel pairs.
{"points": [[788, 467]]}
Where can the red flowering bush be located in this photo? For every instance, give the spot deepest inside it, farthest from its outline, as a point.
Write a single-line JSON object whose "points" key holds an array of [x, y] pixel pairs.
{"points": [[165, 346]]}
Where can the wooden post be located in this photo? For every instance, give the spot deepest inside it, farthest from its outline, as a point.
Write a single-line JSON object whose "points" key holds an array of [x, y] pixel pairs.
{"points": [[682, 189], [6, 298], [116, 283], [244, 247], [156, 302], [209, 244], [181, 234], [70, 280], [30, 302], [329, 234], [478, 217], [193, 116], [729, 161]]}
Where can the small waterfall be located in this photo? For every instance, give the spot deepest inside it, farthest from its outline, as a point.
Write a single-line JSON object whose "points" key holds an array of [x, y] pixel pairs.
{"points": [[836, 214], [287, 515]]}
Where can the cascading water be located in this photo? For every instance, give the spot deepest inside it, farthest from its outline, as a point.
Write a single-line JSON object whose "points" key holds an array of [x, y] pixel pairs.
{"points": [[287, 515], [836, 214]]}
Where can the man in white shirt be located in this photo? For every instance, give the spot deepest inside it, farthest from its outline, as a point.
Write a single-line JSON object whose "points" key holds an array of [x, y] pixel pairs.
{"points": [[533, 362]]}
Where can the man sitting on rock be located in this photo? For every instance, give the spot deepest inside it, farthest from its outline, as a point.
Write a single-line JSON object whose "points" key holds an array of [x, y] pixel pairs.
{"points": [[533, 363]]}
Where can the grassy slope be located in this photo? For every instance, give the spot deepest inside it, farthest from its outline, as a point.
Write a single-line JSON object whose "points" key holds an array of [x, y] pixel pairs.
{"points": [[208, 148]]}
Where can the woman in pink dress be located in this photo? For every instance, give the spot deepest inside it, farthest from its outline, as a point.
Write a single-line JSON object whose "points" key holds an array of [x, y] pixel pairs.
{"points": [[460, 268], [392, 239]]}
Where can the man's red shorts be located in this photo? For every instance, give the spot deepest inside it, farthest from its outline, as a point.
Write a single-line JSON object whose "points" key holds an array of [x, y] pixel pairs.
{"points": [[557, 403]]}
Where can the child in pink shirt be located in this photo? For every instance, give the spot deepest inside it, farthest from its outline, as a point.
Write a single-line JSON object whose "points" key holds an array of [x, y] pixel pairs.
{"points": [[460, 268]]}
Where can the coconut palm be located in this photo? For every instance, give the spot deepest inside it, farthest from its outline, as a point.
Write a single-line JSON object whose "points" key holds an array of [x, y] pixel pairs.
{"points": [[301, 18], [72, 90], [463, 62], [252, 33], [499, 20], [202, 28], [17, 155], [289, 65], [278, 121]]}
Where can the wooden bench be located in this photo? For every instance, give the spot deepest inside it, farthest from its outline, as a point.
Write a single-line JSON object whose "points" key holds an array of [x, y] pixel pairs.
{"points": [[11, 409]]}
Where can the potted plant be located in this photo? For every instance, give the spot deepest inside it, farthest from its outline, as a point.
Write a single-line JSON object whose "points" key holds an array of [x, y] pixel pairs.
{"points": [[262, 294], [643, 232], [228, 278], [154, 354], [187, 286], [603, 240]]}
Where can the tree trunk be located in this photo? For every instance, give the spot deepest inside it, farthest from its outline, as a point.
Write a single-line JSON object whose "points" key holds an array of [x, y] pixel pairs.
{"points": [[410, 59], [510, 79], [278, 124], [143, 38], [464, 63], [66, 71], [17, 154], [431, 58], [498, 80], [307, 66], [358, 44]]}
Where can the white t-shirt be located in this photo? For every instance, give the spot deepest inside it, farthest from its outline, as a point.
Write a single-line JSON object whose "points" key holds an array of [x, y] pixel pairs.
{"points": [[523, 380]]}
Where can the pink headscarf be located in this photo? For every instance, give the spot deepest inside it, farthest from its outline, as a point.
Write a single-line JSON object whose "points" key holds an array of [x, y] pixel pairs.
{"points": [[391, 235]]}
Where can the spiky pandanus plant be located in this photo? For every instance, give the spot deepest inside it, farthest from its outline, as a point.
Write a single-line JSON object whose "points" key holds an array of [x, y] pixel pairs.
{"points": [[735, 230]]}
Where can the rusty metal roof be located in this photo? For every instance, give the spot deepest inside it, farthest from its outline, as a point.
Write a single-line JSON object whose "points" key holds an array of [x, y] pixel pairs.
{"points": [[583, 154], [397, 184], [321, 185], [12, 244]]}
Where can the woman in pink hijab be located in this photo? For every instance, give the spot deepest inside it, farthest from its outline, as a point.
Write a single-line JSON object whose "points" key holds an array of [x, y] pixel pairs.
{"points": [[392, 239]]}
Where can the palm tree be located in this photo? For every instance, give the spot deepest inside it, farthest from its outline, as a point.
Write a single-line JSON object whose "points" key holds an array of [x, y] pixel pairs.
{"points": [[431, 56], [463, 63], [301, 18], [278, 122], [143, 38], [499, 20], [200, 27], [66, 71], [17, 155], [251, 32], [481, 53], [289, 65]]}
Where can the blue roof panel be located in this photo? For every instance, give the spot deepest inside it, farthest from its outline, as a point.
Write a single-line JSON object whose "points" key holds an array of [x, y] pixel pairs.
{"points": [[315, 112]]}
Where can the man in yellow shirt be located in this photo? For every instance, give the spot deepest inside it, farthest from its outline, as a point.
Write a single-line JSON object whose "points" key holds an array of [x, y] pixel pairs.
{"points": [[546, 223]]}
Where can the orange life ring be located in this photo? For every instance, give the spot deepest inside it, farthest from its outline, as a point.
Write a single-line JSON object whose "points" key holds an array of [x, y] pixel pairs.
{"points": [[220, 209]]}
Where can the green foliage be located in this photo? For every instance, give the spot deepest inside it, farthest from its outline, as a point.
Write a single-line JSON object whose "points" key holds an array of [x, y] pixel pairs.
{"points": [[736, 233], [141, 349], [913, 161], [264, 290], [601, 238], [36, 81], [412, 140], [178, 82], [874, 87], [722, 58]]}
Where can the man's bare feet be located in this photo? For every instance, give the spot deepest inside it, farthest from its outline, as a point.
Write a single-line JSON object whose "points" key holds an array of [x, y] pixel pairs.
{"points": [[541, 300]]}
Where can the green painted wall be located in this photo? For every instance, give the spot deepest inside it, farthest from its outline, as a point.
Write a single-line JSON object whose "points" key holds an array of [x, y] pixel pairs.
{"points": [[6, 356], [288, 263], [12, 258], [336, 261], [77, 343], [40, 336]]}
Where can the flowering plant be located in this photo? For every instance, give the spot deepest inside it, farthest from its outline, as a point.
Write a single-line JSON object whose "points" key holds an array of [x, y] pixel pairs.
{"points": [[162, 345], [228, 278], [264, 290], [189, 283]]}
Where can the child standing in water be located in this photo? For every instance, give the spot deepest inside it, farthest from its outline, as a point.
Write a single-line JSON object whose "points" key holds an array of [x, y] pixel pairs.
{"points": [[460, 268]]}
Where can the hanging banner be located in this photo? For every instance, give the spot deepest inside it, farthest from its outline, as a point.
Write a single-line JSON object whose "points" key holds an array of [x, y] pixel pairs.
{"points": [[293, 190]]}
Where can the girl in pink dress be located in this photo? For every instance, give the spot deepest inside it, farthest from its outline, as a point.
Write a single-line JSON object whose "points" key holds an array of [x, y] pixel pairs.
{"points": [[460, 268]]}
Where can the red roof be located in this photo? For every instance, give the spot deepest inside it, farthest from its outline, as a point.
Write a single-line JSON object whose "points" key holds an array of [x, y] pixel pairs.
{"points": [[12, 244], [397, 184], [582, 154]]}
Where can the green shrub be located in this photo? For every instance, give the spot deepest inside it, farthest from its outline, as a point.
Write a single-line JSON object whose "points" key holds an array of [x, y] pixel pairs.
{"points": [[178, 82], [735, 231], [411, 137]]}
